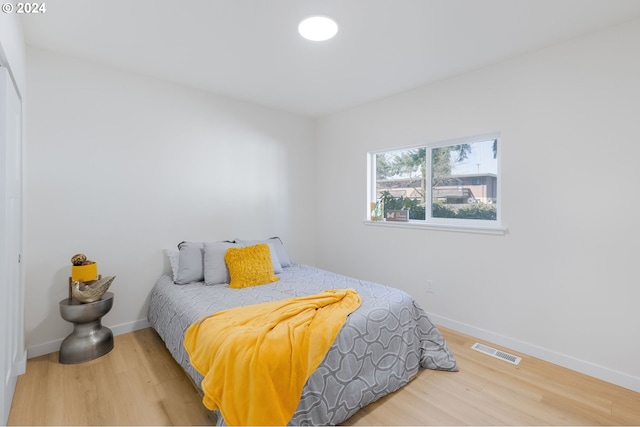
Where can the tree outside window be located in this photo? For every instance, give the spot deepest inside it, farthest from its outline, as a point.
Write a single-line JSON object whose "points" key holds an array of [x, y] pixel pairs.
{"points": [[460, 180]]}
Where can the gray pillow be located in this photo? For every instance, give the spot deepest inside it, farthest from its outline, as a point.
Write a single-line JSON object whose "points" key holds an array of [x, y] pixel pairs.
{"points": [[278, 246], [186, 244], [215, 269], [190, 265]]}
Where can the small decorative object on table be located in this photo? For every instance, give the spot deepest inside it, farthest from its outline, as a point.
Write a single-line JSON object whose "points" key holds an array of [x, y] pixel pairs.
{"points": [[91, 291], [78, 259], [85, 284]]}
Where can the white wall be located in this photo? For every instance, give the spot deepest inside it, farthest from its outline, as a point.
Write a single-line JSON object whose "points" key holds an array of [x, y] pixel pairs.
{"points": [[121, 166], [563, 283]]}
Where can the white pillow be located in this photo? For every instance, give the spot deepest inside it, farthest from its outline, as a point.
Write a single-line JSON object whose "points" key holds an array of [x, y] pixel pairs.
{"points": [[173, 257], [277, 267]]}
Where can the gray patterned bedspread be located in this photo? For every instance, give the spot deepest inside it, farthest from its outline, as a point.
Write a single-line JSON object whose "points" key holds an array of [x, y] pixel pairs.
{"points": [[379, 349]]}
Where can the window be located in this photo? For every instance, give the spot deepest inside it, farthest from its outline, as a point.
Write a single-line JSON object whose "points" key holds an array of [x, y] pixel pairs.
{"points": [[453, 183]]}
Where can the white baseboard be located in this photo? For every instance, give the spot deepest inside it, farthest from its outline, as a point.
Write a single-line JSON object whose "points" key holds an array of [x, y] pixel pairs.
{"points": [[587, 368], [53, 346], [129, 327]]}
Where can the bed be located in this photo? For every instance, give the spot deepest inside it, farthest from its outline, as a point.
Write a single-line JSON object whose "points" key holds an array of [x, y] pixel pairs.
{"points": [[380, 348]]}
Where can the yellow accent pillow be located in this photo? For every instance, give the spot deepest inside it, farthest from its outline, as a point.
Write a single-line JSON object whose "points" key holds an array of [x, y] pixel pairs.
{"points": [[250, 266]]}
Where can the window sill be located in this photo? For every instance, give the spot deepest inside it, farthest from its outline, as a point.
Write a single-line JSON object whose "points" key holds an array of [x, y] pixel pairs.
{"points": [[497, 231]]}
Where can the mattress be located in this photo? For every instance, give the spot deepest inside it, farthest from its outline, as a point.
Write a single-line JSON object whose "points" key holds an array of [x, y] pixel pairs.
{"points": [[380, 348]]}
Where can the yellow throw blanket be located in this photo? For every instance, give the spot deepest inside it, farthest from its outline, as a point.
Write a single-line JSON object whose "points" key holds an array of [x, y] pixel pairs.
{"points": [[256, 359]]}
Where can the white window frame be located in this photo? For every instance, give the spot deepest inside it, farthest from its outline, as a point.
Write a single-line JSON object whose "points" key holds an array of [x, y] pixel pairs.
{"points": [[444, 224]]}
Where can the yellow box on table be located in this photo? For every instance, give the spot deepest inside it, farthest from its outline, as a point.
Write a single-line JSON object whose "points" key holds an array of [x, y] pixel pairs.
{"points": [[84, 273]]}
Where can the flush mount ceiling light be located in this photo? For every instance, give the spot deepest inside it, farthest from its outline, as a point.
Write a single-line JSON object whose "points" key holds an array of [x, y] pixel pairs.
{"points": [[318, 28]]}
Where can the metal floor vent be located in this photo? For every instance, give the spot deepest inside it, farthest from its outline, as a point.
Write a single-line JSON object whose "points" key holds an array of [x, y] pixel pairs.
{"points": [[496, 353]]}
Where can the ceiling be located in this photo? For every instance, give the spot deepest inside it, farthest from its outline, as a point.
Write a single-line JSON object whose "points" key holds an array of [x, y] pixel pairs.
{"points": [[250, 49]]}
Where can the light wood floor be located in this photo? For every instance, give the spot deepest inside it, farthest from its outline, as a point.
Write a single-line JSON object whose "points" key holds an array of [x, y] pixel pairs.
{"points": [[138, 383]]}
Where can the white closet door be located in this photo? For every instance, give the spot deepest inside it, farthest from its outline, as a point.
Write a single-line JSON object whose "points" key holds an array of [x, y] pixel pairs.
{"points": [[11, 304]]}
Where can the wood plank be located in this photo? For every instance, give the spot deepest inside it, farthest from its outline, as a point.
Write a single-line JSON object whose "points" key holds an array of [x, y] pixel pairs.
{"points": [[138, 383]]}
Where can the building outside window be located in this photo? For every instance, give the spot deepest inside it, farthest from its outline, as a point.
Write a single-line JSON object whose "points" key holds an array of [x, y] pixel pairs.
{"points": [[452, 182]]}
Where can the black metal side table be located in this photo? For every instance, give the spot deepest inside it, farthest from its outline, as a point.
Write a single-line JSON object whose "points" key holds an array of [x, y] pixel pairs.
{"points": [[89, 339]]}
